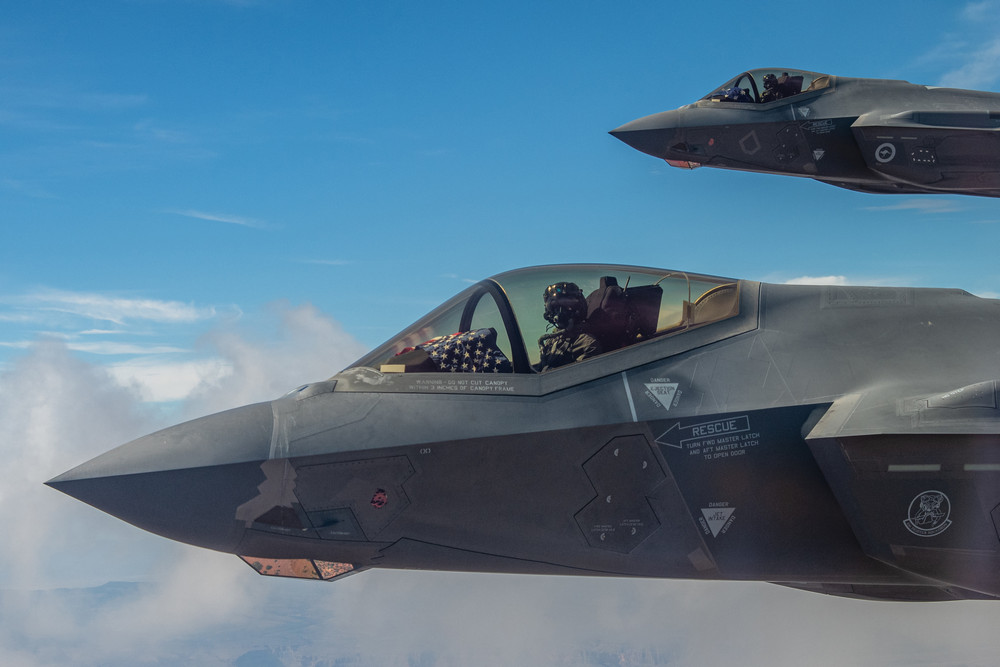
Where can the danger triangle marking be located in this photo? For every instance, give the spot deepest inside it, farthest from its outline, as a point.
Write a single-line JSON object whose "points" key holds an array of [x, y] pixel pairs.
{"points": [[661, 393], [716, 518]]}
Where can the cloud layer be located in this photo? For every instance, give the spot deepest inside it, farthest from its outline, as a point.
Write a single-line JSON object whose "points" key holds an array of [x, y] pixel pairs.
{"points": [[59, 411], [195, 606]]}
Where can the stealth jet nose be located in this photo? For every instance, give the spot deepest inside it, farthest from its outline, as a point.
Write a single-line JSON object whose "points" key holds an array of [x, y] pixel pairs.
{"points": [[651, 134], [184, 482], [821, 437]]}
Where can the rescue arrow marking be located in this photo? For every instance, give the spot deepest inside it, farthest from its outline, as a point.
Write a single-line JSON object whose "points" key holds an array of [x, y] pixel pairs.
{"points": [[709, 429]]}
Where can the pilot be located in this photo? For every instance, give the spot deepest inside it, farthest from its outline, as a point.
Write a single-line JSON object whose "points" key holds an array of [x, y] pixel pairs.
{"points": [[566, 310], [771, 90]]}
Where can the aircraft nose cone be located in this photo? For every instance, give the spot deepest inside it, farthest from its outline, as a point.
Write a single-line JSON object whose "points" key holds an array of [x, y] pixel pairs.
{"points": [[184, 482], [651, 134]]}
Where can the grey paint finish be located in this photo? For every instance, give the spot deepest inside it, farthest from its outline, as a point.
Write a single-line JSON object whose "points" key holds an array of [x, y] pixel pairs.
{"points": [[839, 439], [871, 135]]}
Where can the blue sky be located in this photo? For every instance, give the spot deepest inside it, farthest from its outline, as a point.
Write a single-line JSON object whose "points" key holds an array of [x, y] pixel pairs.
{"points": [[212, 157], [205, 203]]}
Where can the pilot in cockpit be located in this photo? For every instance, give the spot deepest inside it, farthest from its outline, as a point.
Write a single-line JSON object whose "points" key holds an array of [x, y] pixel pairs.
{"points": [[779, 87], [771, 91], [566, 310]]}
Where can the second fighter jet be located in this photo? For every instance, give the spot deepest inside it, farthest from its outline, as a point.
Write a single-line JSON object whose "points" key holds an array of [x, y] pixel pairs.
{"points": [[870, 135]]}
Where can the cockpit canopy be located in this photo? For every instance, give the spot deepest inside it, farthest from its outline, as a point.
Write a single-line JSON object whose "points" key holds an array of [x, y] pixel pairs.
{"points": [[508, 323], [761, 86]]}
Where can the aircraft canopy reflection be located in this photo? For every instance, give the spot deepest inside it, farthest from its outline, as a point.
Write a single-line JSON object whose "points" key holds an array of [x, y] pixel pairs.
{"points": [[762, 86], [623, 306]]}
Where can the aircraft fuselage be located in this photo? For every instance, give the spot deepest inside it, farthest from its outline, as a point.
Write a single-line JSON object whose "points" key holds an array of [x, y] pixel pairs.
{"points": [[840, 439], [871, 135]]}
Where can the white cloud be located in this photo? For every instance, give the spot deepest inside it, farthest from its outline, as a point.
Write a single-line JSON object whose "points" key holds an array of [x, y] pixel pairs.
{"points": [[921, 206], [17, 318], [57, 411], [981, 69], [818, 280], [972, 53], [115, 348], [225, 217], [979, 11], [455, 276], [109, 308], [163, 381], [229, 369], [305, 346], [199, 591]]}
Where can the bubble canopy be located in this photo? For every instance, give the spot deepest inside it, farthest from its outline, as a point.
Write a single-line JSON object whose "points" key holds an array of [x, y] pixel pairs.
{"points": [[760, 86], [499, 325]]}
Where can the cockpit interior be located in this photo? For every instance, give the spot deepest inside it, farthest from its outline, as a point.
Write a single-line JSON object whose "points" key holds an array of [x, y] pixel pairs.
{"points": [[512, 322], [762, 86]]}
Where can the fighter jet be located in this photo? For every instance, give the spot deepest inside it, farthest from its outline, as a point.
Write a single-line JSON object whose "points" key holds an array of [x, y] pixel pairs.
{"points": [[614, 420], [870, 135]]}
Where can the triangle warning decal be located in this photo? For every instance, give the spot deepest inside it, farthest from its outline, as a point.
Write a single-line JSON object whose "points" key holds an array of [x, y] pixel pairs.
{"points": [[717, 518]]}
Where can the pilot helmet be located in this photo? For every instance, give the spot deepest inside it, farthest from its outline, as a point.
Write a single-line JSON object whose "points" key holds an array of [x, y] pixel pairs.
{"points": [[565, 304], [770, 81]]}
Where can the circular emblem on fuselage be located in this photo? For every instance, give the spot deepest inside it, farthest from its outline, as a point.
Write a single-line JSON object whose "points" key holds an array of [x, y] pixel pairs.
{"points": [[885, 152], [928, 514]]}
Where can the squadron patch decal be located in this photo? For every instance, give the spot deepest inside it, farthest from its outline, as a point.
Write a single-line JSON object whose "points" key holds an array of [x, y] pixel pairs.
{"points": [[928, 514]]}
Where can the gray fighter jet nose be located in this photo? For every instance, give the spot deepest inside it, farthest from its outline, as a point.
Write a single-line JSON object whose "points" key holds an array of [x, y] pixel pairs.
{"points": [[184, 482], [651, 134]]}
